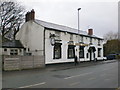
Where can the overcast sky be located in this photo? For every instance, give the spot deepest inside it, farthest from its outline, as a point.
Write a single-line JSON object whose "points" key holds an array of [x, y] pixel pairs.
{"points": [[101, 15]]}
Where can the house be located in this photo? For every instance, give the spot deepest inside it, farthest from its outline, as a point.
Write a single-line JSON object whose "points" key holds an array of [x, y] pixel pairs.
{"points": [[12, 48], [58, 43]]}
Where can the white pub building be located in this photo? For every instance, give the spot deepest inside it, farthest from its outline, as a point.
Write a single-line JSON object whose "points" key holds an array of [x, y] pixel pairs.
{"points": [[58, 43]]}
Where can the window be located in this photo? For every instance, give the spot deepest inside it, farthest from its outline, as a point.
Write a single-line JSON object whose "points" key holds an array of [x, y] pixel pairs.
{"points": [[20, 50], [87, 55], [81, 38], [13, 52], [71, 51], [99, 52], [57, 34], [90, 40], [57, 51], [81, 52], [71, 37], [5, 49], [98, 42], [94, 55], [28, 49]]}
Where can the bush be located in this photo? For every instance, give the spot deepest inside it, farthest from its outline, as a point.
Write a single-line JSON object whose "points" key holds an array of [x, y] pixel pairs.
{"points": [[118, 57]]}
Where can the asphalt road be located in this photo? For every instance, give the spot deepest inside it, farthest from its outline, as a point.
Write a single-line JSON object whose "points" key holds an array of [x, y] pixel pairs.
{"points": [[93, 76]]}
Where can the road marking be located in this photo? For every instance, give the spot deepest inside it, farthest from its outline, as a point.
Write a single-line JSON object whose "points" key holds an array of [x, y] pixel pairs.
{"points": [[91, 78], [78, 75], [74, 83], [33, 85]]}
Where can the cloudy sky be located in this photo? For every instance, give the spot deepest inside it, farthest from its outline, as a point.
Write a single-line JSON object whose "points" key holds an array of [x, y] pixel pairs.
{"points": [[101, 15]]}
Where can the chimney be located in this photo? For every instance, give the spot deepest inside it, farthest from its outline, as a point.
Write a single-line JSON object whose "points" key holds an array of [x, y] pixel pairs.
{"points": [[30, 15], [90, 31]]}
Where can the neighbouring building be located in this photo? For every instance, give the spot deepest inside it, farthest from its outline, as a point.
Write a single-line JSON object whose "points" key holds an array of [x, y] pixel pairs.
{"points": [[58, 43], [12, 48]]}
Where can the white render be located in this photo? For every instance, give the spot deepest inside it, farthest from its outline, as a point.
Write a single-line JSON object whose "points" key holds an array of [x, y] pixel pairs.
{"points": [[9, 49], [36, 37]]}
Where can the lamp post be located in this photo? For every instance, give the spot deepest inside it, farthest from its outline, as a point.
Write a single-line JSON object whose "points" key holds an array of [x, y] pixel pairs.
{"points": [[78, 19], [78, 32]]}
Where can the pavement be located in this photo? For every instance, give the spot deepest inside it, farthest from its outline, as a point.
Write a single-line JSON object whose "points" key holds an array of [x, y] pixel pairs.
{"points": [[63, 66]]}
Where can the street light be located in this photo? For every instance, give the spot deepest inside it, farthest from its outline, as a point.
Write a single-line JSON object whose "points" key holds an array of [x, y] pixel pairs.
{"points": [[78, 19], [78, 32]]}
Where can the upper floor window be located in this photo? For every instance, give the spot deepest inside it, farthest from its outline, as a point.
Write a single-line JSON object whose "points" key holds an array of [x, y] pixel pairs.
{"points": [[90, 40], [71, 37], [5, 49], [57, 35], [81, 38], [98, 42]]}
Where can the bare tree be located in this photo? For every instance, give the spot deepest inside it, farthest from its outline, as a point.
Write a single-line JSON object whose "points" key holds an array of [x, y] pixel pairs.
{"points": [[110, 36], [11, 17]]}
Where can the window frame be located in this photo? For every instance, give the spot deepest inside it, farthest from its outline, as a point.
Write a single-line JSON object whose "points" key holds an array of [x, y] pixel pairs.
{"points": [[13, 51], [73, 49], [81, 50], [57, 45]]}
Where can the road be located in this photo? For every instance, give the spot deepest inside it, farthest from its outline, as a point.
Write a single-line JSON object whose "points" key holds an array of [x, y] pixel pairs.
{"points": [[93, 76]]}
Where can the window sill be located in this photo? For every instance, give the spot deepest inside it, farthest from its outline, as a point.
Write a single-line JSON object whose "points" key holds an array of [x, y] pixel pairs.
{"points": [[71, 58], [56, 58]]}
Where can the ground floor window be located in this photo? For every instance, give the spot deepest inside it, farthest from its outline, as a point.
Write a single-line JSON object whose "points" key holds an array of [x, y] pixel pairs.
{"points": [[13, 52], [81, 51], [87, 55], [71, 51], [57, 51], [99, 52]]}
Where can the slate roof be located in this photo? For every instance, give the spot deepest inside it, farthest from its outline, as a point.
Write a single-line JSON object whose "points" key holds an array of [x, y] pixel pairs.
{"points": [[12, 44], [63, 28]]}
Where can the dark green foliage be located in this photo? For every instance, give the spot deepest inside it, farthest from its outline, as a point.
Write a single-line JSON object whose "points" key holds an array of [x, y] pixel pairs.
{"points": [[112, 47]]}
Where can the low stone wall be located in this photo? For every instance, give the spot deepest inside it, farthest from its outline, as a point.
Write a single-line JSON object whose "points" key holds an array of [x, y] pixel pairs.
{"points": [[22, 62]]}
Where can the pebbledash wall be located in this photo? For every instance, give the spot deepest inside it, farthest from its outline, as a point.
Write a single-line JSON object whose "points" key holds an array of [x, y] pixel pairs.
{"points": [[39, 38]]}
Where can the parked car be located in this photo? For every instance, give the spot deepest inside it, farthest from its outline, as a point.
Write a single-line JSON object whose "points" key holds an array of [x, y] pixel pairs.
{"points": [[111, 56]]}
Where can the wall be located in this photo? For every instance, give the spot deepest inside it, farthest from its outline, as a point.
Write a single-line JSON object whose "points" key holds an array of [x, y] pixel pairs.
{"points": [[8, 51], [22, 62], [65, 37], [31, 36]]}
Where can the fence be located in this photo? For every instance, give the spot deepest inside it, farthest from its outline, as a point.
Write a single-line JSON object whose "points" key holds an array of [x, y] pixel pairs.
{"points": [[22, 62]]}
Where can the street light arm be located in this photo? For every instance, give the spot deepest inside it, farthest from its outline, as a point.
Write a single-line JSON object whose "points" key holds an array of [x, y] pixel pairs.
{"points": [[79, 8]]}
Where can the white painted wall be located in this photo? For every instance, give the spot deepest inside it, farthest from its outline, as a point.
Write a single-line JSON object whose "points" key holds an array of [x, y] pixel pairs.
{"points": [[31, 36], [65, 37], [8, 51]]}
